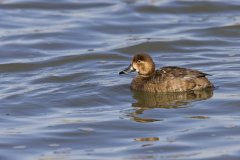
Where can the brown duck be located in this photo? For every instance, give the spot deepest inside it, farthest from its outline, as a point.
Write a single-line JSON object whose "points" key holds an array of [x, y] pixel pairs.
{"points": [[166, 79]]}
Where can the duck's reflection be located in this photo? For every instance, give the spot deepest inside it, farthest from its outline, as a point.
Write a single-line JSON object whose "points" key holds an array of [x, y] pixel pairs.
{"points": [[146, 101]]}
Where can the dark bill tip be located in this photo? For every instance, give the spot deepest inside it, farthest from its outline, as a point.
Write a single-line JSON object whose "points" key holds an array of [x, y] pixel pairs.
{"points": [[122, 72], [127, 70]]}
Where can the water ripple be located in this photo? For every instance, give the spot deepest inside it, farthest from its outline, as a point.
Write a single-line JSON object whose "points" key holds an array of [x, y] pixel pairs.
{"points": [[61, 96]]}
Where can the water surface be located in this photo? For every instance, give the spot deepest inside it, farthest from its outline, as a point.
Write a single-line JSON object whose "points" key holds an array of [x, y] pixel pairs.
{"points": [[61, 96]]}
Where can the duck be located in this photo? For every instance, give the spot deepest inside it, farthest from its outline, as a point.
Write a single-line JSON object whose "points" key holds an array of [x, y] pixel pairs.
{"points": [[165, 79]]}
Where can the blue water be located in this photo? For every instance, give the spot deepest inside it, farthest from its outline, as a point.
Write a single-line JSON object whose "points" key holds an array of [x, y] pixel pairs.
{"points": [[61, 96]]}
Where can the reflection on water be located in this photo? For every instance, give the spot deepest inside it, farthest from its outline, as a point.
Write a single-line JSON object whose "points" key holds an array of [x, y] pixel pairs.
{"points": [[143, 139], [146, 101]]}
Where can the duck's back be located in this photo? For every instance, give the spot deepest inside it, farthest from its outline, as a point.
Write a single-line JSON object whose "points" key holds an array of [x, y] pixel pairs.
{"points": [[172, 79]]}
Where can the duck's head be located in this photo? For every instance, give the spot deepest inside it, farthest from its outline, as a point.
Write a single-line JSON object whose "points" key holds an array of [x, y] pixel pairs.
{"points": [[141, 63]]}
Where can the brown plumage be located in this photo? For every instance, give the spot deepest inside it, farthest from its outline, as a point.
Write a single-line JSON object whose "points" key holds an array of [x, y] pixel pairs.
{"points": [[167, 79]]}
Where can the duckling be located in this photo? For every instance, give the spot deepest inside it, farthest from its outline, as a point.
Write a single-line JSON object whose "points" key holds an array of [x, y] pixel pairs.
{"points": [[166, 79]]}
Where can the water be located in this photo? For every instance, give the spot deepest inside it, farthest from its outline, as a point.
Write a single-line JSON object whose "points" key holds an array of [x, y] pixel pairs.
{"points": [[61, 96]]}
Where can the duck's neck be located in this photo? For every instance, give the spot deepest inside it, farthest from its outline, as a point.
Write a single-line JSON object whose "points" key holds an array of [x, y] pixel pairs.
{"points": [[146, 75]]}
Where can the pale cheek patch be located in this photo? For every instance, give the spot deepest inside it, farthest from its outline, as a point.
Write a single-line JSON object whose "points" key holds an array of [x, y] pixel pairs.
{"points": [[135, 67], [132, 68]]}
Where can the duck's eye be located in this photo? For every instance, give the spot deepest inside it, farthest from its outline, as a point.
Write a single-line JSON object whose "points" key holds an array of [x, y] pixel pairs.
{"points": [[139, 61]]}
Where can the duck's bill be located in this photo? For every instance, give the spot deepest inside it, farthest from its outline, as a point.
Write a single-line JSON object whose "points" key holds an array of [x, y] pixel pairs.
{"points": [[127, 70]]}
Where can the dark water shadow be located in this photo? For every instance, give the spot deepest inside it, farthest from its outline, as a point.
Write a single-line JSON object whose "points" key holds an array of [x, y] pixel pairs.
{"points": [[146, 101]]}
